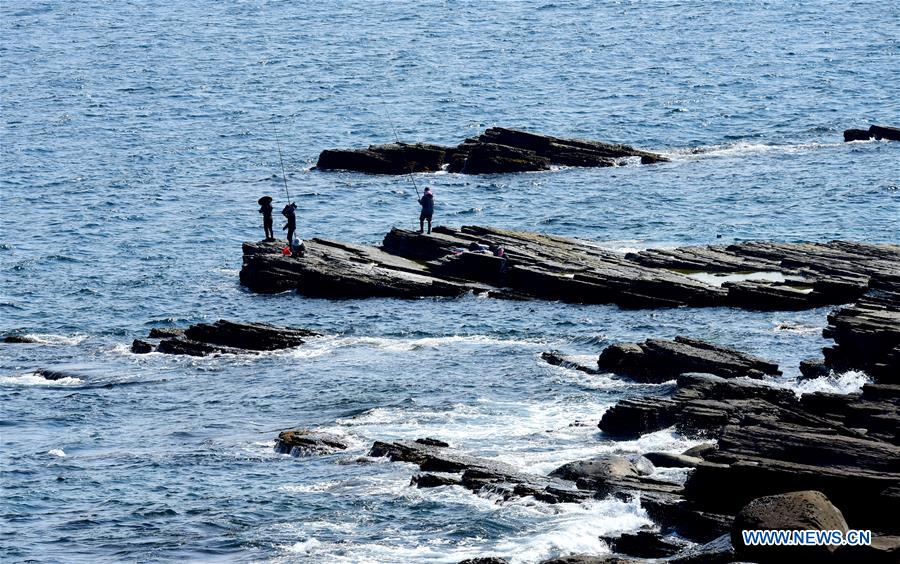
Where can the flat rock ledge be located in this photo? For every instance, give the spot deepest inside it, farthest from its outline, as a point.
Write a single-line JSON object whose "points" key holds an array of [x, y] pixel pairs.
{"points": [[756, 275], [497, 150], [222, 337]]}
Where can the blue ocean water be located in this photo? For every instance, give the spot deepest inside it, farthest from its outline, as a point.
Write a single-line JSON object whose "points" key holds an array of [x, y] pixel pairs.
{"points": [[137, 137]]}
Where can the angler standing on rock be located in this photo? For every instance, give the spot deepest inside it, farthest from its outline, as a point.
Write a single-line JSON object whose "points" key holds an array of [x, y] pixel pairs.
{"points": [[266, 209], [289, 212], [427, 203]]}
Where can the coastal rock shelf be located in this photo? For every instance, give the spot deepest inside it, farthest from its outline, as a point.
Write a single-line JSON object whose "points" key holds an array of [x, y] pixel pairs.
{"points": [[757, 275], [222, 337], [497, 150]]}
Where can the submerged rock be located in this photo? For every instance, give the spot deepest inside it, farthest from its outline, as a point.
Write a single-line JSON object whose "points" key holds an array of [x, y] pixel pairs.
{"points": [[395, 158]]}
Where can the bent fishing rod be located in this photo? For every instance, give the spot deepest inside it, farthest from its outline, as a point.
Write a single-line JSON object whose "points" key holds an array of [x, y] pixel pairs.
{"points": [[283, 175]]}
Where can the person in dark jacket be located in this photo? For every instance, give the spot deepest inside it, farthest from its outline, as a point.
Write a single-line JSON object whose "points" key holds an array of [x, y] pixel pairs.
{"points": [[289, 212], [266, 209], [427, 203]]}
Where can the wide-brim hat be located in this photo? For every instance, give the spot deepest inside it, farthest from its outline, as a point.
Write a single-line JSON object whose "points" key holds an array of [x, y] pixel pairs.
{"points": [[264, 200]]}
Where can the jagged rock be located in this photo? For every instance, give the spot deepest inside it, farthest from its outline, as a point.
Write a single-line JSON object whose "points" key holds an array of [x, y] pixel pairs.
{"points": [[668, 460], [490, 158], [485, 560], [141, 347], [599, 468], [802, 510], [659, 360], [642, 464], [867, 335], [432, 442], [306, 442], [646, 544], [19, 339]]}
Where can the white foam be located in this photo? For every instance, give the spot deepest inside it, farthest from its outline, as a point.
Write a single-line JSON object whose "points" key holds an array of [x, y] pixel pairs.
{"points": [[34, 379], [798, 328], [53, 339], [57, 452], [845, 383], [741, 148]]}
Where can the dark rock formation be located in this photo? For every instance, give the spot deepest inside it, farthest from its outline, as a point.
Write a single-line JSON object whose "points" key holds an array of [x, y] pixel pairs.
{"points": [[223, 337], [659, 360], [476, 474], [427, 480], [141, 347], [867, 335], [803, 510], [771, 442], [590, 559], [54, 375], [485, 560], [497, 150], [306, 442], [165, 332], [409, 265], [395, 158], [814, 368], [717, 551], [874, 132], [19, 339]]}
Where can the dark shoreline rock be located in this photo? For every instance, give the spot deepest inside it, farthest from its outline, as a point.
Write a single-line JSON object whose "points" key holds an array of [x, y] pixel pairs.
{"points": [[537, 266], [660, 360], [874, 132], [497, 150], [223, 337]]}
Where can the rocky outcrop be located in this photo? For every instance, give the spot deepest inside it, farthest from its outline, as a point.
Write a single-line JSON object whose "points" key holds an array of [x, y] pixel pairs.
{"points": [[771, 442], [19, 339], [394, 158], [867, 335], [795, 511], [474, 473], [306, 442], [536, 266], [660, 360], [874, 132], [223, 337], [497, 150]]}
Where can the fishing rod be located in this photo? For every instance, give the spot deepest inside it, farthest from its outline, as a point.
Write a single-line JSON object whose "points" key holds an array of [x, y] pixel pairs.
{"points": [[283, 175], [403, 148]]}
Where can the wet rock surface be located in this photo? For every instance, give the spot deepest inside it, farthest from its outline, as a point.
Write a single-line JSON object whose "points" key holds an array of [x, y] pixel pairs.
{"points": [[537, 266], [223, 337], [497, 150], [307, 442]]}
